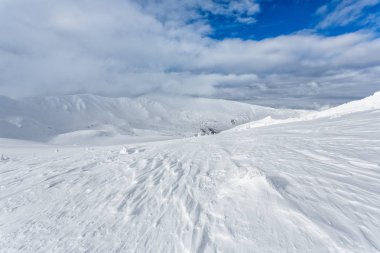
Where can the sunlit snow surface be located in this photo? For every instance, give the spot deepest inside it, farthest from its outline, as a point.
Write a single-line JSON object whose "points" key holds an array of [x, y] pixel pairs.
{"points": [[311, 185]]}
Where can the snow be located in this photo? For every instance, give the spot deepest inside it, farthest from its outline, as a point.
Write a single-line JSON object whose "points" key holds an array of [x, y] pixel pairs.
{"points": [[89, 119], [309, 185], [365, 104], [3, 158], [123, 151]]}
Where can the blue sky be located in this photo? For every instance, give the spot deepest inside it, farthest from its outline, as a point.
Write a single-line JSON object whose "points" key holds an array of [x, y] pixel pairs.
{"points": [[283, 17], [275, 18], [288, 53]]}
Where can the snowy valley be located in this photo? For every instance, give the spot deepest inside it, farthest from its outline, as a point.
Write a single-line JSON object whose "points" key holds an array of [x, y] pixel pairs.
{"points": [[89, 119]]}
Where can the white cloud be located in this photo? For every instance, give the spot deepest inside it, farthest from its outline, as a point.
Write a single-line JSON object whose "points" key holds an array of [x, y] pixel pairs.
{"points": [[121, 48], [344, 12], [181, 12]]}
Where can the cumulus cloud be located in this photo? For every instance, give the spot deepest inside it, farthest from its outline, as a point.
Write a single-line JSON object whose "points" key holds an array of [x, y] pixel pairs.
{"points": [[127, 48]]}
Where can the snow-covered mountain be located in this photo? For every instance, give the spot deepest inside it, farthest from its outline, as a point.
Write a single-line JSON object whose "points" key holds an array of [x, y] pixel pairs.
{"points": [[305, 185], [94, 119]]}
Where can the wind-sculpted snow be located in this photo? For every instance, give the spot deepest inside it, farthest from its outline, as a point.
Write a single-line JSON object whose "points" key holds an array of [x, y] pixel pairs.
{"points": [[80, 119], [306, 186]]}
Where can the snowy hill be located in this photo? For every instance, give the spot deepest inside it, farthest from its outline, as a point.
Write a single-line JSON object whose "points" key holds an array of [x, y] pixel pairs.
{"points": [[365, 104], [310, 185], [370, 103], [94, 119]]}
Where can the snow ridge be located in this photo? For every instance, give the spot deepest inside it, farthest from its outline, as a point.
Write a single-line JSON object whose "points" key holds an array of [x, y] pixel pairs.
{"points": [[366, 104]]}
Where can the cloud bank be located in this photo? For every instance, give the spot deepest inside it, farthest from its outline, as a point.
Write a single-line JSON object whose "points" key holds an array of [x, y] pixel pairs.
{"points": [[128, 48]]}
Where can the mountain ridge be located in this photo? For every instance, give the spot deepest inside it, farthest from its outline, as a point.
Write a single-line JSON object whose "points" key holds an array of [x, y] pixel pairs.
{"points": [[45, 119]]}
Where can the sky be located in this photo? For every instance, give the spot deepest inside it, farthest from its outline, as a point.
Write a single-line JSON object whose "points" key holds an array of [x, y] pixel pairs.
{"points": [[284, 53]]}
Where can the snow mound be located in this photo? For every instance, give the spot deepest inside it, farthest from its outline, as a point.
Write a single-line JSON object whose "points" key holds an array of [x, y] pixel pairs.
{"points": [[123, 151], [267, 121], [4, 158]]}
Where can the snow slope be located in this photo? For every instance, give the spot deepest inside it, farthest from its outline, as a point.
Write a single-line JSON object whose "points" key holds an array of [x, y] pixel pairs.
{"points": [[98, 120], [304, 186], [366, 104]]}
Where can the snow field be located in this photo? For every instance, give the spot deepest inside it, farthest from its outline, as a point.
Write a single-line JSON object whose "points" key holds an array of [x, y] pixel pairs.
{"points": [[303, 186]]}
